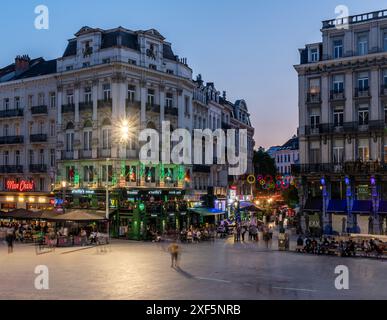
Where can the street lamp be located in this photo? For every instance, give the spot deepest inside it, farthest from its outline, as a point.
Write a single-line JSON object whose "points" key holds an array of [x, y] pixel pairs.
{"points": [[64, 183], [107, 198]]}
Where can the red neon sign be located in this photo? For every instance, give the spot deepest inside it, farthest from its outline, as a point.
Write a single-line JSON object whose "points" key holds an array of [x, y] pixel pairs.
{"points": [[21, 186]]}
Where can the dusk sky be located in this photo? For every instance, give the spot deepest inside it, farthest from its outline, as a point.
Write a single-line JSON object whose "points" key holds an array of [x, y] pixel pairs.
{"points": [[248, 47]]}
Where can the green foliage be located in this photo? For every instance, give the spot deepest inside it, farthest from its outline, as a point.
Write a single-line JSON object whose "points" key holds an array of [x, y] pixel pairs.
{"points": [[264, 164], [291, 196]]}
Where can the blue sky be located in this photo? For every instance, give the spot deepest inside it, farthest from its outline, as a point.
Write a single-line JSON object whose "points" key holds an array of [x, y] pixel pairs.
{"points": [[247, 47]]}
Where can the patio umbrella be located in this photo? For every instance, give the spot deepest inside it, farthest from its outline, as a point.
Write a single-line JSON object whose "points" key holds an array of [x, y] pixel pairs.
{"points": [[79, 216]]}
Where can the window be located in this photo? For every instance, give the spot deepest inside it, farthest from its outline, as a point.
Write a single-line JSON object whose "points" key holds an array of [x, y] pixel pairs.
{"points": [[69, 141], [41, 99], [30, 101], [186, 106], [132, 62], [363, 153], [338, 49], [169, 71], [70, 97], [17, 102], [315, 156], [52, 100], [338, 84], [362, 44], [41, 184], [106, 138], [385, 79], [17, 157], [153, 67], [107, 95], [87, 95], [151, 96], [385, 41], [363, 116], [106, 60], [17, 129], [338, 155], [338, 118], [69, 68], [6, 158], [6, 130], [6, 104], [314, 121], [314, 55], [86, 65], [52, 129], [88, 173], [87, 140], [385, 115], [169, 100], [131, 93], [41, 156], [52, 157], [31, 157], [363, 81], [109, 173]]}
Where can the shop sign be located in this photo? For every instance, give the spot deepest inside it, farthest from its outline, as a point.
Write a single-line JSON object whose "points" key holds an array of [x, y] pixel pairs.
{"points": [[133, 192], [82, 191], [155, 192], [21, 186], [175, 192]]}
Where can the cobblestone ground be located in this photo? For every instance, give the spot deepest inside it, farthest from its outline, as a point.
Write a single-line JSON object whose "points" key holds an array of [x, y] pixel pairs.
{"points": [[221, 270]]}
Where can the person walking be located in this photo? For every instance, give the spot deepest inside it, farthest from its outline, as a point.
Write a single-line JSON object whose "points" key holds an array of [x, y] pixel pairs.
{"points": [[244, 230], [174, 250], [10, 237]]}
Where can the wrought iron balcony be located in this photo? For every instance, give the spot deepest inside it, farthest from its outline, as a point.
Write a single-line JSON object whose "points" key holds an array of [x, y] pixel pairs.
{"points": [[11, 169], [86, 106], [38, 138], [153, 108], [38, 168], [11, 140], [337, 95], [172, 111], [226, 126], [105, 103], [383, 90], [133, 104], [313, 98], [11, 113], [362, 92], [68, 108], [39, 110]]}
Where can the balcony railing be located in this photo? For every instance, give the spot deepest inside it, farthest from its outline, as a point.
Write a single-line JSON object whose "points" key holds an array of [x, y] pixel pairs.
{"points": [[383, 90], [105, 103], [337, 95], [11, 140], [11, 113], [39, 110], [226, 126], [349, 168], [11, 169], [38, 138], [361, 18], [86, 154], [67, 155], [153, 108], [346, 127], [172, 111], [362, 92], [133, 104], [104, 153], [313, 97], [38, 168], [68, 108], [86, 106]]}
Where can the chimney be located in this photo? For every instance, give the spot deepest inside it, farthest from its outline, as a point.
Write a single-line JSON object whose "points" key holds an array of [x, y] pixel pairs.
{"points": [[224, 95], [22, 63], [199, 79]]}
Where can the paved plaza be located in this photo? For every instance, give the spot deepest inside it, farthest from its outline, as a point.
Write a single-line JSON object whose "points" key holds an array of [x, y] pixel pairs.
{"points": [[221, 270]]}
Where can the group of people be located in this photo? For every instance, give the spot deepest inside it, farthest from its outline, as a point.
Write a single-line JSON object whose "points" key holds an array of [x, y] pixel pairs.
{"points": [[253, 231], [344, 248]]}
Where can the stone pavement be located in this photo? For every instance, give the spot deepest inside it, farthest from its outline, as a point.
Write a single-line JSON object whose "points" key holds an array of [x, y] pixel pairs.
{"points": [[221, 270]]}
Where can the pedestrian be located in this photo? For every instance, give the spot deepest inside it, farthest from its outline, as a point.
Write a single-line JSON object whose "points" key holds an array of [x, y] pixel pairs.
{"points": [[174, 250], [244, 230], [238, 233], [10, 237]]}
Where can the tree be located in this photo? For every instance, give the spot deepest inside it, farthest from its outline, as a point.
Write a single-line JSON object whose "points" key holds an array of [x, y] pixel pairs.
{"points": [[264, 164], [291, 196]]}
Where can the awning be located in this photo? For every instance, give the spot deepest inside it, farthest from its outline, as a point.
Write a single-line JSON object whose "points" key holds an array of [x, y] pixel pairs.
{"points": [[20, 214], [382, 207], [252, 208], [80, 216], [313, 205], [207, 212], [245, 204], [362, 207], [337, 206]]}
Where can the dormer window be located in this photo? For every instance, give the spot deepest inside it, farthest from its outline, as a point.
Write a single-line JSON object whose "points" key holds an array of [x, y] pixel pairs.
{"points": [[153, 67], [314, 55], [87, 49], [169, 71]]}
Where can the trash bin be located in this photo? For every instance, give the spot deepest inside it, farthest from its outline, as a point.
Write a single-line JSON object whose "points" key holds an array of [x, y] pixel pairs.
{"points": [[283, 242]]}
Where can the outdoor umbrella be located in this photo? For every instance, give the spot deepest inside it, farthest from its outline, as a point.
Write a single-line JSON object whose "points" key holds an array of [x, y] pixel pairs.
{"points": [[79, 216]]}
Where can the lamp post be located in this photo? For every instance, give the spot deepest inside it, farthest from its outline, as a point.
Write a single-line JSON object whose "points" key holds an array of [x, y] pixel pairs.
{"points": [[64, 195], [107, 199]]}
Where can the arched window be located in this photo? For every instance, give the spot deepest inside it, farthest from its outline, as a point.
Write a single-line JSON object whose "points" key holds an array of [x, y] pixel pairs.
{"points": [[151, 125]]}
